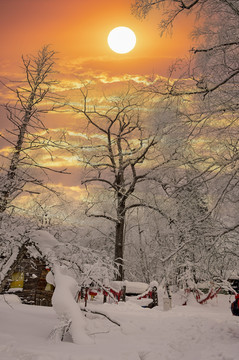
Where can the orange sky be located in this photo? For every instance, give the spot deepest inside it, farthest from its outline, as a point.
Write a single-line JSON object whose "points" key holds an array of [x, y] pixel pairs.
{"points": [[77, 30]]}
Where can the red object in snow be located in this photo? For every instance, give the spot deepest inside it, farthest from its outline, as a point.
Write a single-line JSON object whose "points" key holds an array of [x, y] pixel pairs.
{"points": [[148, 295], [105, 293], [212, 293], [116, 294]]}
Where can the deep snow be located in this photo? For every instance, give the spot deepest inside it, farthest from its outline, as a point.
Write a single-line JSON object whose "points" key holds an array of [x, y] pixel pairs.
{"points": [[192, 332]]}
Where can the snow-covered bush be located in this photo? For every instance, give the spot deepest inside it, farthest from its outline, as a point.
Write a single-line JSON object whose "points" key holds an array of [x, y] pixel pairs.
{"points": [[84, 264]]}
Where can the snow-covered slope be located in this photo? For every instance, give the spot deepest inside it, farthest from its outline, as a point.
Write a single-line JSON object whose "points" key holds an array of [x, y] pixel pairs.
{"points": [[192, 332]]}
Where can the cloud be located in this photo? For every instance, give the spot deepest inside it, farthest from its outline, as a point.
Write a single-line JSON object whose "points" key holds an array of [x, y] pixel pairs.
{"points": [[114, 67]]}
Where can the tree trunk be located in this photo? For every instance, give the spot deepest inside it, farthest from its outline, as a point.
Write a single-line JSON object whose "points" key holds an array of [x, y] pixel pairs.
{"points": [[12, 172], [119, 238], [119, 249]]}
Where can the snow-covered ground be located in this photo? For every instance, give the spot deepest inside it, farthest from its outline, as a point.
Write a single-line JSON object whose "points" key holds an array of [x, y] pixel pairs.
{"points": [[192, 332]]}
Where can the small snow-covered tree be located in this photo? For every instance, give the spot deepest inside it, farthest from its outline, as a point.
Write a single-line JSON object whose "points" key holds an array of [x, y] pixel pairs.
{"points": [[72, 267]]}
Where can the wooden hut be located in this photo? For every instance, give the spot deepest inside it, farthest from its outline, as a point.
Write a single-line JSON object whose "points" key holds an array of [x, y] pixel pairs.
{"points": [[26, 275]]}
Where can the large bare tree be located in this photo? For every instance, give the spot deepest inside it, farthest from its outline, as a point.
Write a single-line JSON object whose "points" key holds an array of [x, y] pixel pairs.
{"points": [[119, 154], [24, 135]]}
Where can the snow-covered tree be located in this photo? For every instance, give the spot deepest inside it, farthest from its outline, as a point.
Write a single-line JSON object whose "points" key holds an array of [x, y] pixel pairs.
{"points": [[119, 157], [24, 135], [206, 91]]}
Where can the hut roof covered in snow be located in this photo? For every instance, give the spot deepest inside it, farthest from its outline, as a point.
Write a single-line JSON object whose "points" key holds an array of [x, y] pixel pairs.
{"points": [[24, 272]]}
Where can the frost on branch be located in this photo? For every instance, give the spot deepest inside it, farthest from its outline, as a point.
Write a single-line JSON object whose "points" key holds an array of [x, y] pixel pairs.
{"points": [[86, 265]]}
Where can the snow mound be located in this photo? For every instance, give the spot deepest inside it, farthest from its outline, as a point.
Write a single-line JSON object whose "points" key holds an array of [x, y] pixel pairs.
{"points": [[132, 287], [202, 332], [10, 299], [65, 306], [44, 240]]}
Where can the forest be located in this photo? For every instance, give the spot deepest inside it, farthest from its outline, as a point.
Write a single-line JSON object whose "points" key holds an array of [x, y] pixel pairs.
{"points": [[158, 161]]}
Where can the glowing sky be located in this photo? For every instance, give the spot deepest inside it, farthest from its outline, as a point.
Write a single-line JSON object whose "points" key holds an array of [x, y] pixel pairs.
{"points": [[77, 30]]}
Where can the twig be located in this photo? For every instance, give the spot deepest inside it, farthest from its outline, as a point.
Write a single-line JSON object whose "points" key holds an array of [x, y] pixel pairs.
{"points": [[99, 313]]}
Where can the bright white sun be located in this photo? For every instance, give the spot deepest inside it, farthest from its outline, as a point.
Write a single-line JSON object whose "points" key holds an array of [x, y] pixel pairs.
{"points": [[121, 40]]}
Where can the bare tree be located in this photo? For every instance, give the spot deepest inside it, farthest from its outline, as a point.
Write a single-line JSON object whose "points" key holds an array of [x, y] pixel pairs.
{"points": [[118, 157], [33, 96]]}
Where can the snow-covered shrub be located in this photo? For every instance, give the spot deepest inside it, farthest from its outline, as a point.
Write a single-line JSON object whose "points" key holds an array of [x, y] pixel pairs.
{"points": [[84, 264]]}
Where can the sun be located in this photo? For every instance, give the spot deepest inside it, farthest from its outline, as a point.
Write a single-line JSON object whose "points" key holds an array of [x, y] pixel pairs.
{"points": [[121, 40]]}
